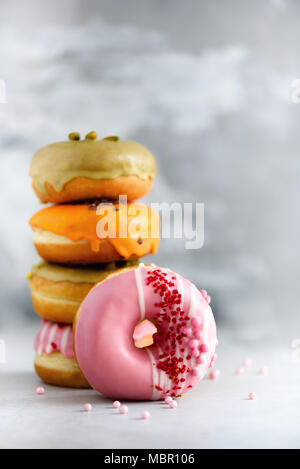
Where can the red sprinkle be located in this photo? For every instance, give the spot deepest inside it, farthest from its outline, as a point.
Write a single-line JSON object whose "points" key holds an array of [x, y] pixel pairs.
{"points": [[171, 314]]}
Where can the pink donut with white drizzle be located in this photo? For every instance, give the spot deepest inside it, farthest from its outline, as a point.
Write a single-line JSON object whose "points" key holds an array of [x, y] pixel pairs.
{"points": [[54, 337], [54, 361], [115, 356]]}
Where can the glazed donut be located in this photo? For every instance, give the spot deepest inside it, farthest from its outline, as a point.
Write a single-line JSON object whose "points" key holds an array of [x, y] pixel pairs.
{"points": [[54, 361], [57, 290], [121, 312], [92, 169], [68, 234]]}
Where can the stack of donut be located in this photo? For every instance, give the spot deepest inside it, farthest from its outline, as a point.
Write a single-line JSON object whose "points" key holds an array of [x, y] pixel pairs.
{"points": [[129, 330], [83, 180]]}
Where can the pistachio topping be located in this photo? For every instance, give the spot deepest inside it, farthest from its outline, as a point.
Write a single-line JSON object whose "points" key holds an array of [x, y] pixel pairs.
{"points": [[74, 136], [112, 138], [92, 135]]}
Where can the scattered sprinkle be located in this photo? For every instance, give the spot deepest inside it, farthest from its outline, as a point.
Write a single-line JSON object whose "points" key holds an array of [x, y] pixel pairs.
{"points": [[173, 404], [123, 409], [263, 370], [87, 407], [239, 371], [116, 404], [40, 390], [247, 362], [252, 396], [214, 374], [145, 415], [168, 399]]}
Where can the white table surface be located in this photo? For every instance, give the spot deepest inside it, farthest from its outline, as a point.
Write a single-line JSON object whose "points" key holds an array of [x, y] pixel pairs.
{"points": [[217, 414]]}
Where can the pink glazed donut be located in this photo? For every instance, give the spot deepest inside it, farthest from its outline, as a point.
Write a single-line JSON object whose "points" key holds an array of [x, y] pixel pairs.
{"points": [[106, 325]]}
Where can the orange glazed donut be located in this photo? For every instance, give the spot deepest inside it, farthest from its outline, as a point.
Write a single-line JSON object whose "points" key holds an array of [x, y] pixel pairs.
{"points": [[75, 233], [92, 169]]}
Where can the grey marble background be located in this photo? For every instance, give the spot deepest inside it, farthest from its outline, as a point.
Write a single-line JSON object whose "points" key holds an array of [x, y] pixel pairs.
{"points": [[206, 85]]}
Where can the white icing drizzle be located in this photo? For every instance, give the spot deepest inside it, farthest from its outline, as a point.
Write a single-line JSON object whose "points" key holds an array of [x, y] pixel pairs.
{"points": [[163, 379], [192, 311], [207, 314], [155, 377], [50, 339], [140, 291], [64, 340], [139, 286], [203, 366], [42, 335]]}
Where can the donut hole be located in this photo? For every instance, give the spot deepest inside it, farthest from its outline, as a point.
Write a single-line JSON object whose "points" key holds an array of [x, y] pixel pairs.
{"points": [[143, 333]]}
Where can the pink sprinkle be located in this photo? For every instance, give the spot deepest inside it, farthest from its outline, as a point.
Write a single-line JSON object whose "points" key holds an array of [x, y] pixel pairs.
{"points": [[145, 415], [195, 353], [213, 359], [168, 399], [187, 331], [214, 374], [252, 396], [193, 343], [173, 404], [196, 322], [247, 362], [123, 409], [239, 371], [203, 348], [263, 370], [205, 296], [116, 404], [87, 407], [40, 390], [195, 372], [199, 360], [199, 335]]}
